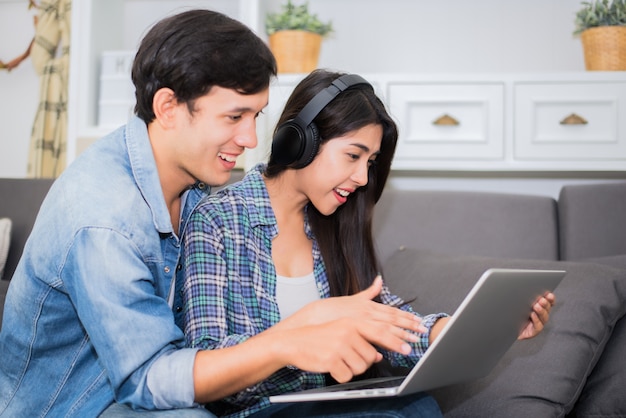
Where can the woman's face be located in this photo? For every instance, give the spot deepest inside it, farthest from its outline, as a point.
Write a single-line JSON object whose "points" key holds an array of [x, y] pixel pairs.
{"points": [[340, 168]]}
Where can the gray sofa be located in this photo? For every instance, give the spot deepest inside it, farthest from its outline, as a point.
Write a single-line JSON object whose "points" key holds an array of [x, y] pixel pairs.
{"points": [[434, 246]]}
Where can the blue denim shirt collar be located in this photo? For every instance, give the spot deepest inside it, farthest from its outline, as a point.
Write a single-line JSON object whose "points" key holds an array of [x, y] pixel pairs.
{"points": [[144, 171]]}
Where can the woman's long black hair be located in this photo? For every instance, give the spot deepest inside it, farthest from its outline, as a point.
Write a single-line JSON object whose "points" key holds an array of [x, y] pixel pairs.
{"points": [[345, 237]]}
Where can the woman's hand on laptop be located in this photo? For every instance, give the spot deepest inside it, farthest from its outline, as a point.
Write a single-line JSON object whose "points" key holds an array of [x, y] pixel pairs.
{"points": [[538, 317]]}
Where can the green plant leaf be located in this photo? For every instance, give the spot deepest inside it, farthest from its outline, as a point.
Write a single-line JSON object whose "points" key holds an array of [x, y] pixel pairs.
{"points": [[600, 13], [294, 17]]}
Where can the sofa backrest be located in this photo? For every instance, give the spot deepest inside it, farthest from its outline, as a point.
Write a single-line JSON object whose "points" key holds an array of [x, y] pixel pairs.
{"points": [[467, 223], [592, 220], [20, 200]]}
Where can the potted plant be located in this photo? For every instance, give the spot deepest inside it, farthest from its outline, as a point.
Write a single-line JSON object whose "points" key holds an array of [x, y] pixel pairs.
{"points": [[602, 28], [295, 37]]}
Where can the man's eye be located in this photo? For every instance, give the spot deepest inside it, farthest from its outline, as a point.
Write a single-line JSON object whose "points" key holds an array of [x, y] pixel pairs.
{"points": [[235, 117]]}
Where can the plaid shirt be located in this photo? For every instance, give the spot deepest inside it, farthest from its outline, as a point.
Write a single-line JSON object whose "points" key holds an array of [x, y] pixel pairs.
{"points": [[229, 289]]}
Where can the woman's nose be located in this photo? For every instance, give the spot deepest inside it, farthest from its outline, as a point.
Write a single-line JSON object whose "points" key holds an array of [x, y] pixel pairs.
{"points": [[360, 176]]}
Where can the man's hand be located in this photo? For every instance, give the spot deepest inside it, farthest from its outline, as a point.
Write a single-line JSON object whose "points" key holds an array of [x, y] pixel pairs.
{"points": [[344, 347]]}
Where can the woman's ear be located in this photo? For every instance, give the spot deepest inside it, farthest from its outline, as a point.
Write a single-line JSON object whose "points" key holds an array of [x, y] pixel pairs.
{"points": [[164, 105]]}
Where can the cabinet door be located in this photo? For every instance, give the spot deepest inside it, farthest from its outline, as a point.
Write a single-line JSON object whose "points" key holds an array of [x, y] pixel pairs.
{"points": [[570, 121], [447, 122]]}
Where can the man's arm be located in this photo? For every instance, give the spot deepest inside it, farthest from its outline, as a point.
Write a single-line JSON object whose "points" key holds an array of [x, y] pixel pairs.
{"points": [[129, 325]]}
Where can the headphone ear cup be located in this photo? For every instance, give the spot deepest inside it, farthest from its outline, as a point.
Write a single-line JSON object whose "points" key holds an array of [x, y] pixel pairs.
{"points": [[288, 143], [311, 146]]}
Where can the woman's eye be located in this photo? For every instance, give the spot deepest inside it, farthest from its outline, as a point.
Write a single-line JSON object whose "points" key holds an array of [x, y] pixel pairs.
{"points": [[235, 117], [353, 156]]}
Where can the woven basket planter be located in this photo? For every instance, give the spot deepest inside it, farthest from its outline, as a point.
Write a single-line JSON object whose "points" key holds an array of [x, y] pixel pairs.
{"points": [[296, 51], [604, 48]]}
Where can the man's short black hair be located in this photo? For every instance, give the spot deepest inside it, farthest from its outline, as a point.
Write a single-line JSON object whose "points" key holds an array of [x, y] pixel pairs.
{"points": [[195, 50]]}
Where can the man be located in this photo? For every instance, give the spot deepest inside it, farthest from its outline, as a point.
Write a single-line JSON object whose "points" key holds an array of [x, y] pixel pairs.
{"points": [[88, 322]]}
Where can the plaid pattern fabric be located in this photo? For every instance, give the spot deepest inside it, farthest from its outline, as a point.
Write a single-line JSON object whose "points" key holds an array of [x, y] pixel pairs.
{"points": [[50, 56], [229, 291]]}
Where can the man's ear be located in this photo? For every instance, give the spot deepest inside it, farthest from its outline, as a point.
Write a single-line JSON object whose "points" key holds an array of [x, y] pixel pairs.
{"points": [[164, 105]]}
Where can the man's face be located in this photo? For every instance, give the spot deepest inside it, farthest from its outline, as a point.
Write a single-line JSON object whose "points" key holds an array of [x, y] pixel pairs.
{"points": [[221, 126]]}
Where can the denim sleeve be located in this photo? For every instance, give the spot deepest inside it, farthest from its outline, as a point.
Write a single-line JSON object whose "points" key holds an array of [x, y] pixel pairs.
{"points": [[115, 291]]}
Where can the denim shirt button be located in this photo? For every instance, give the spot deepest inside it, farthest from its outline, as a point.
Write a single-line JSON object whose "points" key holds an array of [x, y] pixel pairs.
{"points": [[201, 186], [179, 309], [179, 267], [166, 269]]}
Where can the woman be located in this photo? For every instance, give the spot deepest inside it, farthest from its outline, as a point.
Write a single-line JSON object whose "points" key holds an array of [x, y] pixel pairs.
{"points": [[291, 244]]}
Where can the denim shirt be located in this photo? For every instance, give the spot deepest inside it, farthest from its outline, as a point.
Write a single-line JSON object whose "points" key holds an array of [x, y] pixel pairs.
{"points": [[87, 319]]}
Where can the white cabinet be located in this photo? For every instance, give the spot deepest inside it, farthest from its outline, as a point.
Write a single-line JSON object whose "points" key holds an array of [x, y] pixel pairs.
{"points": [[116, 101], [497, 122], [447, 121], [571, 121]]}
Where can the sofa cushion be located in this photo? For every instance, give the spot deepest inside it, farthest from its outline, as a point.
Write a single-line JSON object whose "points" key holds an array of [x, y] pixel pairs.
{"points": [[543, 376], [467, 223], [592, 220], [610, 260], [5, 242]]}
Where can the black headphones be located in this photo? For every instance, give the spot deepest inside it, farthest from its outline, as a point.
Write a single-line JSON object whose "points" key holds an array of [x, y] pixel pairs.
{"points": [[297, 140]]}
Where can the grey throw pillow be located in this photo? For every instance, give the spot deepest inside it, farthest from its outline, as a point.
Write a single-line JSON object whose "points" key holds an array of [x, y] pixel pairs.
{"points": [[540, 377], [603, 395]]}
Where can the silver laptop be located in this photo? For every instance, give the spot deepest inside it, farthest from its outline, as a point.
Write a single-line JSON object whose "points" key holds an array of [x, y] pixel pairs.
{"points": [[482, 329]]}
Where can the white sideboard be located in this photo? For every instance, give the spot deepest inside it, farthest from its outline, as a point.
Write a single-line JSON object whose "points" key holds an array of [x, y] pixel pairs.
{"points": [[495, 122]]}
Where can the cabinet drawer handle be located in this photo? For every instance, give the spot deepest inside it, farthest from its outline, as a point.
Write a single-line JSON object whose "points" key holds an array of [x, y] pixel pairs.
{"points": [[446, 120], [574, 119]]}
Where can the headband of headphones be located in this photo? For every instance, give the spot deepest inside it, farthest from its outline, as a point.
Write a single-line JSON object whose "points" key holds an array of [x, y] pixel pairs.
{"points": [[324, 97]]}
